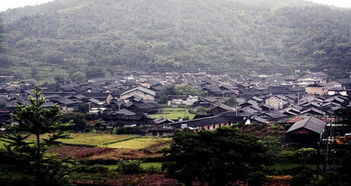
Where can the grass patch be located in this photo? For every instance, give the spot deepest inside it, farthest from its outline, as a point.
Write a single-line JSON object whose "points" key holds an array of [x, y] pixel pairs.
{"points": [[145, 166], [287, 166], [2, 146], [99, 140], [85, 176], [151, 166], [139, 143], [173, 113]]}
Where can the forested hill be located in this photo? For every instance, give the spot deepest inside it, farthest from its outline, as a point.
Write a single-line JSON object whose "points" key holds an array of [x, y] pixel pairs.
{"points": [[98, 36]]}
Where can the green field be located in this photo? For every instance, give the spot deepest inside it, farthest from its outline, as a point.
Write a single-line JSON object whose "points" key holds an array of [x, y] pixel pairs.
{"points": [[93, 139], [109, 140], [139, 143], [286, 166], [174, 113], [2, 145], [144, 165]]}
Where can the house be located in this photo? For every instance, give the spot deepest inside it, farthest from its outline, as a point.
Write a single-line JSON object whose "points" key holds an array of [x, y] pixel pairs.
{"points": [[5, 116], [160, 132], [259, 120], [221, 108], [142, 92], [144, 106], [275, 102], [342, 92], [158, 87], [274, 116], [162, 120], [212, 122], [125, 118], [346, 83], [307, 131], [334, 85], [312, 78], [316, 89], [66, 104], [190, 100]]}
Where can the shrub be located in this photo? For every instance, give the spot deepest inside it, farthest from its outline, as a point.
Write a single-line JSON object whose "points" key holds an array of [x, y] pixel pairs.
{"points": [[129, 166], [257, 178], [304, 177], [91, 169], [288, 157], [100, 161]]}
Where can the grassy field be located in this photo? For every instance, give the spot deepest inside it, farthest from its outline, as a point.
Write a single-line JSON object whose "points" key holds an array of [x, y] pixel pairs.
{"points": [[145, 166], [286, 166], [156, 166], [139, 143], [2, 145], [109, 140], [93, 139], [173, 113]]}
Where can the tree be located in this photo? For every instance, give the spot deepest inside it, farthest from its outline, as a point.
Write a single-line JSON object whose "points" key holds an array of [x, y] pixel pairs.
{"points": [[216, 157], [26, 145], [94, 73], [1, 36], [5, 61], [231, 101], [54, 57], [345, 115], [60, 79], [78, 120], [170, 91], [199, 111], [78, 77], [187, 90], [306, 154]]}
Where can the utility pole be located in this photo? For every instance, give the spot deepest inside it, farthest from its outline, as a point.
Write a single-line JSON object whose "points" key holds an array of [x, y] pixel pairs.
{"points": [[330, 137]]}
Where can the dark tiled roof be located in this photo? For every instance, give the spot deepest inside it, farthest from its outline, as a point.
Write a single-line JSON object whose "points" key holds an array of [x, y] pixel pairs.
{"points": [[226, 117], [309, 123]]}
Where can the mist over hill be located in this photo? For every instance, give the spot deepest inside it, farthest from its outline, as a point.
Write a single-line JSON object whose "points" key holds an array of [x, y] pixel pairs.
{"points": [[101, 37]]}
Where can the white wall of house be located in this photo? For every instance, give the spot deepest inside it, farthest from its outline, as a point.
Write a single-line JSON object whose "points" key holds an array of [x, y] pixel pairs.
{"points": [[178, 102], [275, 103]]}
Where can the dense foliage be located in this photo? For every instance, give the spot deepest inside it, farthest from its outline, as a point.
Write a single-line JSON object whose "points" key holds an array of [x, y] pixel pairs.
{"points": [[99, 37], [216, 157]]}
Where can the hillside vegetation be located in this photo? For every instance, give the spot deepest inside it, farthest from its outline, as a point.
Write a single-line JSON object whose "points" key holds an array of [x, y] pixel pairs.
{"points": [[101, 37]]}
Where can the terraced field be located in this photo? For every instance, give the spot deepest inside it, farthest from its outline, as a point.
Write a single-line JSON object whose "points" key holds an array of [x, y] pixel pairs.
{"points": [[139, 143], [108, 146]]}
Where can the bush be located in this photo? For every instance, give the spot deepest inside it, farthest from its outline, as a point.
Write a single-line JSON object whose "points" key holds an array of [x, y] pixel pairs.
{"points": [[304, 177], [91, 169], [100, 161], [288, 157], [129, 166], [257, 178]]}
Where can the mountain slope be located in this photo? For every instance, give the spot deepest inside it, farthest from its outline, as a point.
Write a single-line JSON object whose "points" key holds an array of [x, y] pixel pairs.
{"points": [[219, 35]]}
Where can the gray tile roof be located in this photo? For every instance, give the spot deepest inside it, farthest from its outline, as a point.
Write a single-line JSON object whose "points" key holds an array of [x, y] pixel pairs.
{"points": [[148, 91], [309, 123]]}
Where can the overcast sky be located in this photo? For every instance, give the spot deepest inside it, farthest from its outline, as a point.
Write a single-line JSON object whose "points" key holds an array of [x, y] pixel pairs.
{"points": [[6, 4]]}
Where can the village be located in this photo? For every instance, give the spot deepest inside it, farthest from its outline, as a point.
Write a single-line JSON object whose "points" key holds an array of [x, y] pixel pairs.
{"points": [[130, 100], [131, 119]]}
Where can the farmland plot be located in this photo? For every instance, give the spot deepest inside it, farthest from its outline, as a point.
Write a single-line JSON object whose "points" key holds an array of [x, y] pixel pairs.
{"points": [[139, 143], [174, 113], [93, 139]]}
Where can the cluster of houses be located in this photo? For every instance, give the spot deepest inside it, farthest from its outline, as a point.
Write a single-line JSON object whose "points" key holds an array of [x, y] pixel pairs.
{"points": [[129, 99]]}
